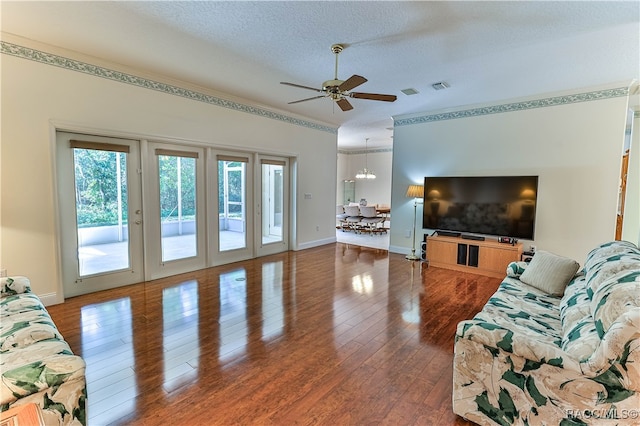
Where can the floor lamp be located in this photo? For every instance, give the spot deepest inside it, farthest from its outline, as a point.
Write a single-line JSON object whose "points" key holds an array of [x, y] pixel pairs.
{"points": [[416, 192]]}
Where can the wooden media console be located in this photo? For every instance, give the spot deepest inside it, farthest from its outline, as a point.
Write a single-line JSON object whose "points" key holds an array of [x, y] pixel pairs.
{"points": [[488, 257]]}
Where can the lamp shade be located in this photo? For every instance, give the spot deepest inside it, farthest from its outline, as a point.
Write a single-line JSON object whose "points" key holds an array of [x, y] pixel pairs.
{"points": [[415, 191], [528, 194], [434, 194]]}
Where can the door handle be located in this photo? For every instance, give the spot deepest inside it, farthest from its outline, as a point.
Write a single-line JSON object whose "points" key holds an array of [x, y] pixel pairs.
{"points": [[138, 222]]}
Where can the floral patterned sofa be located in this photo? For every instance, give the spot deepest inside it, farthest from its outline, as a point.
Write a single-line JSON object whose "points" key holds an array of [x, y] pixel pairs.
{"points": [[36, 364], [554, 346]]}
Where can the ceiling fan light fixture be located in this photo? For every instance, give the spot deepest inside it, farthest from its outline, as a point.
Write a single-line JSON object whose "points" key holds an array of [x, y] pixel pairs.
{"points": [[338, 90], [365, 173]]}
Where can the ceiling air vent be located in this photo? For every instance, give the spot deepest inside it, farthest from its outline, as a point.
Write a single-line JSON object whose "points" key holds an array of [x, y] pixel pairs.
{"points": [[409, 92], [440, 85]]}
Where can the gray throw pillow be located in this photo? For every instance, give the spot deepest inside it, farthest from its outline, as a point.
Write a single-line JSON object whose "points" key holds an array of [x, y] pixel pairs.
{"points": [[549, 272]]}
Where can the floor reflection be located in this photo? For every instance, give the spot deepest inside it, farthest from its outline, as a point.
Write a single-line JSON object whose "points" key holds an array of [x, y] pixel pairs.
{"points": [[107, 335], [272, 300], [180, 333], [362, 284], [233, 314], [358, 254], [242, 340], [411, 310]]}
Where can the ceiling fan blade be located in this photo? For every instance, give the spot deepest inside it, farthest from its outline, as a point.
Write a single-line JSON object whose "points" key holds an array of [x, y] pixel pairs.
{"points": [[352, 82], [307, 99], [300, 86], [344, 104], [373, 96]]}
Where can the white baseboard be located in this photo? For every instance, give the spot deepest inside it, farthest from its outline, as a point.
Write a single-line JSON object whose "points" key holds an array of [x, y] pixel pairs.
{"points": [[316, 243], [400, 250], [49, 299]]}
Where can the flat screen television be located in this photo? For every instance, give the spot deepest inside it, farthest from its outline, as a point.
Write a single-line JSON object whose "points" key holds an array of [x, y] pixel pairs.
{"points": [[487, 205]]}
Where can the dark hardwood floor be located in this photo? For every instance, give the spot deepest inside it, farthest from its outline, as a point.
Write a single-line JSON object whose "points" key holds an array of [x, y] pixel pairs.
{"points": [[334, 335]]}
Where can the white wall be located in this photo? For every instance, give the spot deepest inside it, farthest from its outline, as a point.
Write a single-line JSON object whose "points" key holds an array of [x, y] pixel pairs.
{"points": [[36, 97], [574, 147], [342, 174], [375, 191], [631, 222]]}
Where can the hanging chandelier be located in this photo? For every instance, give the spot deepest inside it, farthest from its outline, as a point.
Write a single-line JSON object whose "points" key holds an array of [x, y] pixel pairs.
{"points": [[365, 173]]}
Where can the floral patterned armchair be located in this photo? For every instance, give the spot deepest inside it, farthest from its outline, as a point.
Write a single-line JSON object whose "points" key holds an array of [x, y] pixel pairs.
{"points": [[531, 357]]}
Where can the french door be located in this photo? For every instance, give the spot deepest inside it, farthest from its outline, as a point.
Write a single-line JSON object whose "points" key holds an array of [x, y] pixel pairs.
{"points": [[232, 204], [136, 210], [100, 209], [272, 225], [175, 214]]}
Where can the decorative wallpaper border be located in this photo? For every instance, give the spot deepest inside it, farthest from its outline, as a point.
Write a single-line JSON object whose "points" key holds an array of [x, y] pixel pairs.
{"points": [[83, 67], [516, 106], [362, 151]]}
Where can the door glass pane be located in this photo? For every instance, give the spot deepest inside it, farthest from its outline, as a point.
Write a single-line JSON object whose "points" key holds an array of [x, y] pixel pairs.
{"points": [[272, 202], [231, 205], [177, 207], [101, 210]]}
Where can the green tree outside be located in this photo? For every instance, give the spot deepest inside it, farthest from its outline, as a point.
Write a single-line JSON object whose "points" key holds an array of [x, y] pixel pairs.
{"points": [[97, 179]]}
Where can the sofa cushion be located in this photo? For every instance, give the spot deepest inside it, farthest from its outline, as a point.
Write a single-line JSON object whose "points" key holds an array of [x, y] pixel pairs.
{"points": [[524, 310], [581, 339], [576, 303], [549, 272]]}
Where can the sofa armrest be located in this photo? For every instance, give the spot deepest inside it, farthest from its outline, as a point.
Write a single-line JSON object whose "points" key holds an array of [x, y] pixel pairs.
{"points": [[23, 379], [494, 336], [516, 269], [56, 384], [14, 285], [620, 346], [494, 386]]}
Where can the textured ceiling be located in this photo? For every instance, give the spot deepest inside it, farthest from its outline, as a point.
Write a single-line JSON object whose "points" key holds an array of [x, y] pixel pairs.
{"points": [[486, 51]]}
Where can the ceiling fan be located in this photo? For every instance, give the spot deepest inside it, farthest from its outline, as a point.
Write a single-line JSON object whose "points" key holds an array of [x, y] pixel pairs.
{"points": [[340, 90]]}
